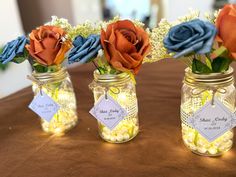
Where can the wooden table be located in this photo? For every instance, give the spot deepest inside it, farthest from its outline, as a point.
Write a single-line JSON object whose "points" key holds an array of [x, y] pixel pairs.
{"points": [[158, 150]]}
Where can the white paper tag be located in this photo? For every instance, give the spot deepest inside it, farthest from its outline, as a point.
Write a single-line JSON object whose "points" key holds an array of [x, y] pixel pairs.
{"points": [[212, 121], [108, 112], [44, 106]]}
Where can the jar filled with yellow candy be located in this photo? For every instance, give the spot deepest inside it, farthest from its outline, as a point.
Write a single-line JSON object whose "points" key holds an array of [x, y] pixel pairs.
{"points": [[207, 108], [121, 87], [57, 85]]}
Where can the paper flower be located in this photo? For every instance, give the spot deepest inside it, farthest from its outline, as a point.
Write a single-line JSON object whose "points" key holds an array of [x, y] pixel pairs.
{"points": [[85, 49], [125, 45], [226, 24], [48, 45], [13, 49], [194, 36]]}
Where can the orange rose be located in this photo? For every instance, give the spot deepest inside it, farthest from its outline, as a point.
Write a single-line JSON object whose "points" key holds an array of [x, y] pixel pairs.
{"points": [[47, 45], [226, 25], [125, 45]]}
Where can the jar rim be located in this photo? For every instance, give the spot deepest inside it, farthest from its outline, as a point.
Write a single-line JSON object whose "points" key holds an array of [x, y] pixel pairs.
{"points": [[213, 79], [111, 78], [57, 76]]}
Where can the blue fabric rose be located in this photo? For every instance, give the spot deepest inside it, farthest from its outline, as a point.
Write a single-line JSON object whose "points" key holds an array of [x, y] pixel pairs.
{"points": [[194, 36], [12, 49], [84, 49]]}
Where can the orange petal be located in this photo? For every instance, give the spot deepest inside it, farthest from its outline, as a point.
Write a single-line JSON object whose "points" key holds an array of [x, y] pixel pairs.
{"points": [[104, 44], [233, 55], [232, 11], [39, 60], [218, 39], [51, 43], [222, 13], [61, 54], [145, 49], [117, 56], [123, 45], [112, 38], [48, 55], [136, 70], [45, 45], [227, 34], [117, 65], [139, 60], [58, 30], [120, 24], [134, 59]]}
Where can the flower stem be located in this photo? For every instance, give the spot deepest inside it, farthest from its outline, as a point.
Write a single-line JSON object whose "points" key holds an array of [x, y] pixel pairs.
{"points": [[96, 66], [31, 62]]}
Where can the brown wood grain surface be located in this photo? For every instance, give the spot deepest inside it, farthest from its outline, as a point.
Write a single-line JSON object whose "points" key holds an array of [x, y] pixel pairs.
{"points": [[158, 150]]}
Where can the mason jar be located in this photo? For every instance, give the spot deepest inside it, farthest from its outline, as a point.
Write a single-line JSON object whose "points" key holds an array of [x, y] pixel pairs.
{"points": [[57, 85], [197, 90], [121, 87]]}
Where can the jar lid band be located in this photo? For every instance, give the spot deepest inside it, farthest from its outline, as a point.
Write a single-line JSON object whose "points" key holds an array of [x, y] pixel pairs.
{"points": [[209, 80], [111, 79], [46, 78]]}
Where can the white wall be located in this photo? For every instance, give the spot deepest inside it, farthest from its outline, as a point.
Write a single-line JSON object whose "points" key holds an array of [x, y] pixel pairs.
{"points": [[176, 8], [14, 78], [86, 10], [9, 20], [126, 8]]}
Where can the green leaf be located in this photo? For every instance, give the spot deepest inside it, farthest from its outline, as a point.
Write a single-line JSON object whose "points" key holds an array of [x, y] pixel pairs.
{"points": [[200, 68], [18, 60], [113, 71], [52, 69], [40, 68], [208, 63], [101, 70], [220, 64], [21, 58], [1, 49], [3, 67], [44, 69]]}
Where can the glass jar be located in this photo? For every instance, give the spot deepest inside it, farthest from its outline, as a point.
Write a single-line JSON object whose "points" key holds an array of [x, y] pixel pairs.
{"points": [[58, 86], [121, 87], [196, 91]]}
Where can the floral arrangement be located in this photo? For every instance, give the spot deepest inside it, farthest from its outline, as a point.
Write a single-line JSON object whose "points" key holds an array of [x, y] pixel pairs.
{"points": [[123, 45], [206, 46], [114, 46], [45, 48]]}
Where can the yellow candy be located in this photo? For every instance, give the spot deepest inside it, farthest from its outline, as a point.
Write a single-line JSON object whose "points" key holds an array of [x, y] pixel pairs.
{"points": [[201, 150], [212, 150]]}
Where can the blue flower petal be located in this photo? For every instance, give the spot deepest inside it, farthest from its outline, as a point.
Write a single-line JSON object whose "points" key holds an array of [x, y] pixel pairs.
{"points": [[79, 40], [193, 36], [90, 55], [188, 50], [12, 49], [84, 49]]}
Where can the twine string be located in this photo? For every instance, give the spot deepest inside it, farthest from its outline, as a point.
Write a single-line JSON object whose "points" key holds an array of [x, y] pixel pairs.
{"points": [[109, 88], [39, 83], [114, 89], [196, 92]]}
